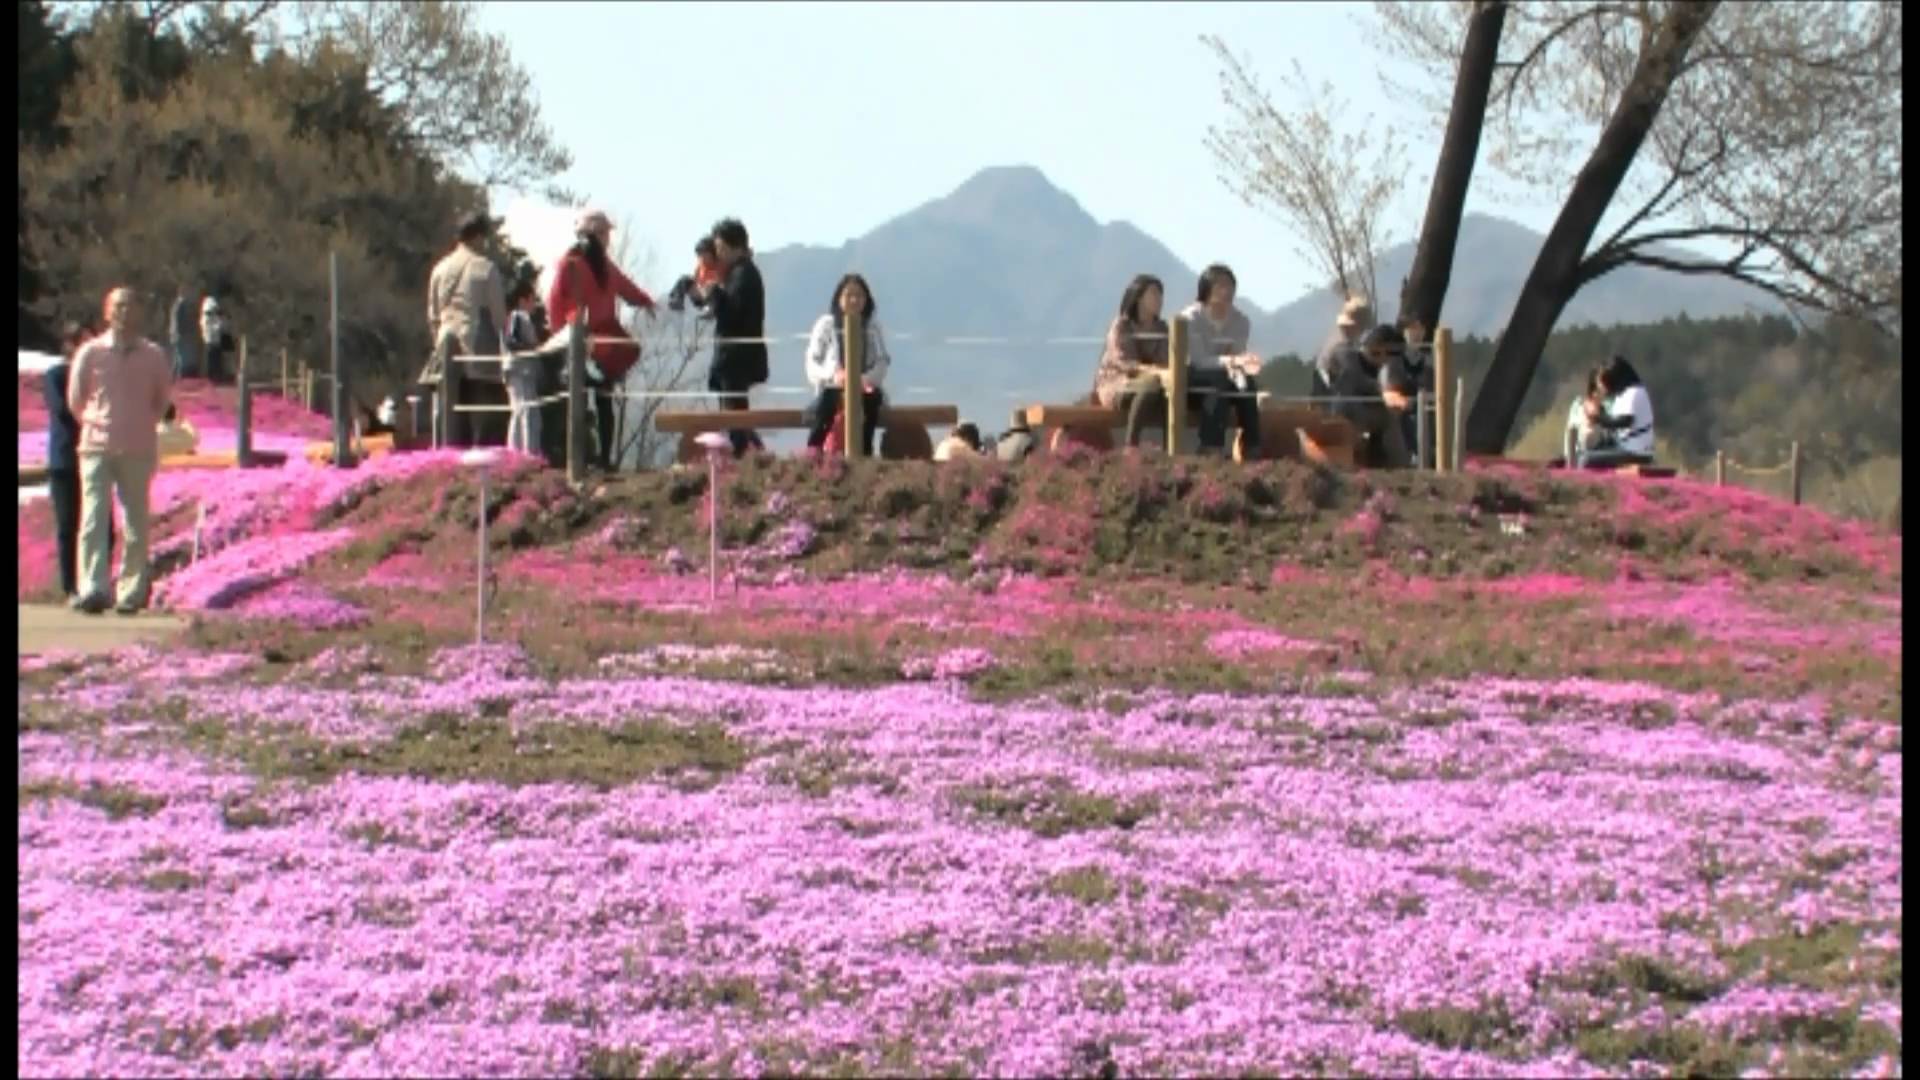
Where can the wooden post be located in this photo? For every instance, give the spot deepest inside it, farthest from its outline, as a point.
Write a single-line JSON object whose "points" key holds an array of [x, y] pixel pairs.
{"points": [[1793, 469], [306, 390], [450, 427], [342, 455], [853, 405], [1443, 399], [1423, 430], [1177, 344], [577, 399], [286, 378], [1719, 468], [1459, 408], [243, 412]]}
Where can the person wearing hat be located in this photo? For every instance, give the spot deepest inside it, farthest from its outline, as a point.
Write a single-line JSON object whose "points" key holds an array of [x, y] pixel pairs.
{"points": [[1355, 319], [586, 285], [467, 315]]}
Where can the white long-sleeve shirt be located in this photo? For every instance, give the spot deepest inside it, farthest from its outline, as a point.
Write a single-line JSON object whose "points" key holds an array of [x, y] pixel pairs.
{"points": [[823, 353]]}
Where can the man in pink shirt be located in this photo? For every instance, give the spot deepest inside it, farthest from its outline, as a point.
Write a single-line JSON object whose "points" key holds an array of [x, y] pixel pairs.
{"points": [[118, 390]]}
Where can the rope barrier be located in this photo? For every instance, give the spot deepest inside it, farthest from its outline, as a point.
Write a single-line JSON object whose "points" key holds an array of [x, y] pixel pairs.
{"points": [[775, 339], [1752, 471]]}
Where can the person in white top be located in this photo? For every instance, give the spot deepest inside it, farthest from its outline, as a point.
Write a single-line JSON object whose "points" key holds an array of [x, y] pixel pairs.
{"points": [[826, 367], [1582, 434], [1220, 369], [1628, 417]]}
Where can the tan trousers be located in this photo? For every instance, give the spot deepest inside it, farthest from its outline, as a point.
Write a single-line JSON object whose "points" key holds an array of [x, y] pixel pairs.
{"points": [[100, 476]]}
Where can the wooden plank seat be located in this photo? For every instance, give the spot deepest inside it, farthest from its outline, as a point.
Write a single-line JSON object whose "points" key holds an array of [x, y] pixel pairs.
{"points": [[321, 452], [1286, 432], [903, 428]]}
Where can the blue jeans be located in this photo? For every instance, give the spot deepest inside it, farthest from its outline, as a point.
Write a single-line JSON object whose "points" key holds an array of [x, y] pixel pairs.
{"points": [[185, 362], [523, 387]]}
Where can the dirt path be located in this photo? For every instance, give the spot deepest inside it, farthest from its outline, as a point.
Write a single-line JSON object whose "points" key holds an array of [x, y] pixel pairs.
{"points": [[45, 627]]}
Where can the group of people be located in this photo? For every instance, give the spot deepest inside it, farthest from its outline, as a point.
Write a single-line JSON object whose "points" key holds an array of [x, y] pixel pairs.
{"points": [[467, 305], [1371, 374]]}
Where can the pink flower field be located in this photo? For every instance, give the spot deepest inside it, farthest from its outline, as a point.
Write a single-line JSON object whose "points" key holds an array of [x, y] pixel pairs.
{"points": [[1093, 766]]}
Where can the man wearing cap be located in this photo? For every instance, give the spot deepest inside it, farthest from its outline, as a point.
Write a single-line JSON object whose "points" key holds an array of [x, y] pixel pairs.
{"points": [[467, 315], [586, 285], [1355, 319], [118, 390]]}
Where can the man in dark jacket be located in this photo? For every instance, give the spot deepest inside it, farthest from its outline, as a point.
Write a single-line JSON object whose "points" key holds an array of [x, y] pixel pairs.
{"points": [[738, 303], [183, 333], [63, 461]]}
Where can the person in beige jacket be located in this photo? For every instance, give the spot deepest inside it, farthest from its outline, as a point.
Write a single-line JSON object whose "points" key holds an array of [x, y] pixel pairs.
{"points": [[467, 315], [119, 391]]}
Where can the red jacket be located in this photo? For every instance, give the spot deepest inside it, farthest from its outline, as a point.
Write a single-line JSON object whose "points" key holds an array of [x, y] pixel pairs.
{"points": [[574, 284]]}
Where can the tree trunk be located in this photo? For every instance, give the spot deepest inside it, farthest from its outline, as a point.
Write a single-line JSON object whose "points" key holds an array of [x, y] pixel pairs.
{"points": [[1555, 277], [1426, 284]]}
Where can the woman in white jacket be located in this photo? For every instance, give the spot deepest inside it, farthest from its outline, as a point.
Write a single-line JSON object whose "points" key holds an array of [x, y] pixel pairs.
{"points": [[826, 368]]}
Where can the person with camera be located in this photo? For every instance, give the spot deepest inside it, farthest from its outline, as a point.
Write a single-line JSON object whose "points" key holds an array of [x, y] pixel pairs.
{"points": [[739, 305]]}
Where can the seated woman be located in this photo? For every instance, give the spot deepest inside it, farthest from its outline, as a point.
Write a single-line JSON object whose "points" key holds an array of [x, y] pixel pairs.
{"points": [[1357, 396], [964, 442], [826, 366], [1135, 354], [1582, 434], [1628, 418], [1220, 368]]}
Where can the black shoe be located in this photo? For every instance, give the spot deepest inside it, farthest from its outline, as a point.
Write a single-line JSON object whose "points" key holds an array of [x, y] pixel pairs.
{"points": [[90, 605], [130, 607]]}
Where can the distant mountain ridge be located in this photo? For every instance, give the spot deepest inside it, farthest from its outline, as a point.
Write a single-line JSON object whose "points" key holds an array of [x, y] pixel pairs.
{"points": [[1008, 254]]}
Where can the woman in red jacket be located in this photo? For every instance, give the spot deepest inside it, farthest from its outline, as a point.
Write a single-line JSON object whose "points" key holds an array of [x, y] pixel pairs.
{"points": [[586, 279]]}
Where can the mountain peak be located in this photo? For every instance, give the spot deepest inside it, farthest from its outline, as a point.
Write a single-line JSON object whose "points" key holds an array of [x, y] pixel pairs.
{"points": [[1003, 191]]}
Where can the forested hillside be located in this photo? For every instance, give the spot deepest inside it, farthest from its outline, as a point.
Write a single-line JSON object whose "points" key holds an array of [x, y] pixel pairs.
{"points": [[221, 150]]}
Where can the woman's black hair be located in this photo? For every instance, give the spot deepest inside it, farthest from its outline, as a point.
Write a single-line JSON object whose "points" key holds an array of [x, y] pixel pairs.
{"points": [[1384, 334], [730, 230], [72, 336], [703, 247], [1137, 288], [521, 291], [591, 249], [969, 434], [866, 311], [1212, 276], [1617, 375]]}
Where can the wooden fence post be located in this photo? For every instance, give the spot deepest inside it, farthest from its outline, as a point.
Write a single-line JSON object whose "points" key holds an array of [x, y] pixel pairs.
{"points": [[1719, 468], [243, 412], [1793, 468], [577, 400], [286, 378], [1177, 345], [1443, 399], [853, 405]]}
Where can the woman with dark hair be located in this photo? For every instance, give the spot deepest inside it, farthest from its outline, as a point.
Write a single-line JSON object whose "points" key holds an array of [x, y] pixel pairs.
{"points": [[1627, 416], [1135, 354], [63, 460], [1359, 397], [1220, 368], [827, 365], [586, 280]]}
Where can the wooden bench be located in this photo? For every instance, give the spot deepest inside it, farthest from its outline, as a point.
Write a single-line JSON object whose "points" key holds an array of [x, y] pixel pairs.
{"points": [[321, 452], [903, 428], [1285, 432]]}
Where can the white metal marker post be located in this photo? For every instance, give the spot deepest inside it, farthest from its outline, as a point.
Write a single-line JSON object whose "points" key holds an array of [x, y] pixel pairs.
{"points": [[714, 442], [480, 459]]}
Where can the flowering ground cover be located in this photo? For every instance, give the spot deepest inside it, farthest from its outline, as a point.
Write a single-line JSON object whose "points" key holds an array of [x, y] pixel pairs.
{"points": [[1092, 766]]}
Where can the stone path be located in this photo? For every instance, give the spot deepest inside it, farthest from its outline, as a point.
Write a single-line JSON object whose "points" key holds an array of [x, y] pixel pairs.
{"points": [[46, 627]]}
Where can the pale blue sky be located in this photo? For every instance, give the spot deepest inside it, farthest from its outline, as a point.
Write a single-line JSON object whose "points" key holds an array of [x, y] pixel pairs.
{"points": [[816, 122]]}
